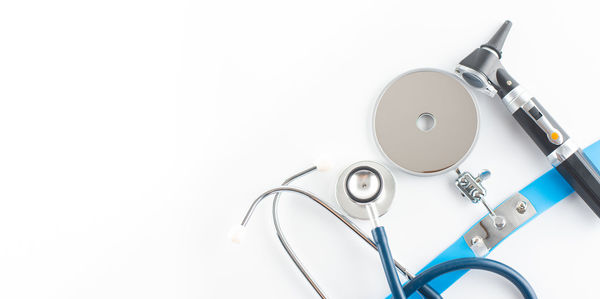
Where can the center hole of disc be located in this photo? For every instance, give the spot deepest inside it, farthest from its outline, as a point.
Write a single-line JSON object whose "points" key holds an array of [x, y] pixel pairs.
{"points": [[426, 122]]}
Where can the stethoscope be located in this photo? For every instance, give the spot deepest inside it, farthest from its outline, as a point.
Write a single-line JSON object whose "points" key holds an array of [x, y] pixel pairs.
{"points": [[365, 190]]}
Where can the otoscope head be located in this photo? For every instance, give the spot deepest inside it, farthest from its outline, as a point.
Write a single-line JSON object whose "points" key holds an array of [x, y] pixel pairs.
{"points": [[479, 68]]}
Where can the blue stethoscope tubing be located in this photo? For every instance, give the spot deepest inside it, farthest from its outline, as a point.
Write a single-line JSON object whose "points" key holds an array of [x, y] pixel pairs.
{"points": [[471, 263], [400, 292], [387, 261]]}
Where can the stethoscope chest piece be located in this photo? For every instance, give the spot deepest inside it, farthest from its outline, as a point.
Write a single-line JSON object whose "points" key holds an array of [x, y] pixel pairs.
{"points": [[365, 183]]}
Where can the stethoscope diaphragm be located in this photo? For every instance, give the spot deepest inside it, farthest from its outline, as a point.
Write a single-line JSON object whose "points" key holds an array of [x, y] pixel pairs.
{"points": [[364, 183], [426, 121]]}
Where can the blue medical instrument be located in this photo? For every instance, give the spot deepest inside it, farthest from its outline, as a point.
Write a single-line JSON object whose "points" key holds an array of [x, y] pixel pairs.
{"points": [[531, 201], [364, 185]]}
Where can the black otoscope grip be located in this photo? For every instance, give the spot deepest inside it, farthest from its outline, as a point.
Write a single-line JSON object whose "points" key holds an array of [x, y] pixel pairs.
{"points": [[577, 169], [583, 176], [530, 120]]}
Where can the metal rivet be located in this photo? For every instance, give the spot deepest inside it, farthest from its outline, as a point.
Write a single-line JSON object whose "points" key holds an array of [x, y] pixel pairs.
{"points": [[509, 83], [521, 207], [476, 240], [499, 222]]}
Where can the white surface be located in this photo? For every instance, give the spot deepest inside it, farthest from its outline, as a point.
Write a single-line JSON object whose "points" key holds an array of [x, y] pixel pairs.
{"points": [[136, 133], [237, 234]]}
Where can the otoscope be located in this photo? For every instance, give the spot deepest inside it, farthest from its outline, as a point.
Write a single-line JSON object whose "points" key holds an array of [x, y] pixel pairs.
{"points": [[482, 70]]}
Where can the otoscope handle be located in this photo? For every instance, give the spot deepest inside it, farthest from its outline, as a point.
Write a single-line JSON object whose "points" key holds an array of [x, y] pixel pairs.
{"points": [[583, 176], [539, 125], [554, 142]]}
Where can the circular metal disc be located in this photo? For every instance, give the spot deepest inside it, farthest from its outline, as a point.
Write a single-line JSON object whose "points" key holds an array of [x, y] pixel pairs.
{"points": [[433, 93], [384, 198]]}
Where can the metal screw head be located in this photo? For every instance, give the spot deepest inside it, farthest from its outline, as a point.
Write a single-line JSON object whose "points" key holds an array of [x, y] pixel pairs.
{"points": [[499, 222], [476, 240], [521, 207], [509, 83], [476, 197]]}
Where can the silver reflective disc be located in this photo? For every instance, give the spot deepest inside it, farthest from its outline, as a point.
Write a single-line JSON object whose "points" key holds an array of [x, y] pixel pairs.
{"points": [[426, 121]]}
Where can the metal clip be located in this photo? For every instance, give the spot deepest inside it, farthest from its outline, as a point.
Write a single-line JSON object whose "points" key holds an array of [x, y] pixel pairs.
{"points": [[485, 235], [472, 188]]}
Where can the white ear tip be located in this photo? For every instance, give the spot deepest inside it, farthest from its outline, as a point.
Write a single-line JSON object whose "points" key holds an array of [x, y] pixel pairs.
{"points": [[237, 233], [323, 165]]}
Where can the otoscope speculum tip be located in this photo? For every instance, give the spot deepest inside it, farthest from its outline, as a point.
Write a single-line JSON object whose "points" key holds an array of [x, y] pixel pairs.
{"points": [[497, 41]]}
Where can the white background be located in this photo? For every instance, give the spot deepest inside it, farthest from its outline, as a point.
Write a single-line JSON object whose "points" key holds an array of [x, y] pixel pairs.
{"points": [[134, 134]]}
